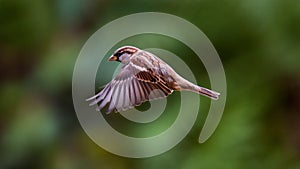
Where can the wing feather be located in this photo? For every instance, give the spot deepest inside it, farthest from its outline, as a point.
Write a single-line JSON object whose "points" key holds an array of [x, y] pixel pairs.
{"points": [[114, 98], [136, 83], [132, 92], [120, 99], [126, 103], [107, 98]]}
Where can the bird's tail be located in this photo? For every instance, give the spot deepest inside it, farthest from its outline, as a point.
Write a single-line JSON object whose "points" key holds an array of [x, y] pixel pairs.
{"points": [[208, 93], [183, 84], [200, 90]]}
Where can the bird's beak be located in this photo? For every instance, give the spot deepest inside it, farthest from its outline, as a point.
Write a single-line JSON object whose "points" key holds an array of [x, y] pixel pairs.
{"points": [[112, 58]]}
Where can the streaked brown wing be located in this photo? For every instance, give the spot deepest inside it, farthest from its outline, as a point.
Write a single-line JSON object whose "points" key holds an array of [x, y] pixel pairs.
{"points": [[131, 87]]}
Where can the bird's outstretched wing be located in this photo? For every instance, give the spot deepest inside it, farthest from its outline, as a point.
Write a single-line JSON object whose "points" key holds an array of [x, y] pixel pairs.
{"points": [[133, 85]]}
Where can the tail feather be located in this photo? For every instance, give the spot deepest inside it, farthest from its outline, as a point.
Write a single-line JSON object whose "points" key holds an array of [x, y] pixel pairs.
{"points": [[208, 93], [183, 84], [200, 90]]}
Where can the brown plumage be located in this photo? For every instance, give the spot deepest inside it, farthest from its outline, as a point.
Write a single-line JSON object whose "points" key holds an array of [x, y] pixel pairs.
{"points": [[143, 77]]}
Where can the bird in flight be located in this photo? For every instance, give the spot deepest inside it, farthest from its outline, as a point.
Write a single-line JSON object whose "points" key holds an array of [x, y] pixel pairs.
{"points": [[143, 77]]}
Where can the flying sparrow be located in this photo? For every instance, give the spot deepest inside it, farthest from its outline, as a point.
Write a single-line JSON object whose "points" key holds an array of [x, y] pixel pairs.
{"points": [[142, 77]]}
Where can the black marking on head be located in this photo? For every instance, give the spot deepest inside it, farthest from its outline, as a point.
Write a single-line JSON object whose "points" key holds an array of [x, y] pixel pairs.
{"points": [[124, 50]]}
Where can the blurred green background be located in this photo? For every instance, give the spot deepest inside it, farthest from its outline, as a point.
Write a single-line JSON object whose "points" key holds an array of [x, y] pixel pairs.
{"points": [[258, 42]]}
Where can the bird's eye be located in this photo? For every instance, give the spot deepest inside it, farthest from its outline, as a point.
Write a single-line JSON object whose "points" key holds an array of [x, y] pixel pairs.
{"points": [[120, 53]]}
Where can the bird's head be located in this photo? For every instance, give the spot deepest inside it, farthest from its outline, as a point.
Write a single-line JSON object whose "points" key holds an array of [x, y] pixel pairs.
{"points": [[123, 53]]}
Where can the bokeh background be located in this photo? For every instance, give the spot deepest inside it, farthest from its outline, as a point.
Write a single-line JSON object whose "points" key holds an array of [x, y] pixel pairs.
{"points": [[258, 42]]}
